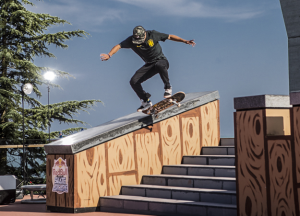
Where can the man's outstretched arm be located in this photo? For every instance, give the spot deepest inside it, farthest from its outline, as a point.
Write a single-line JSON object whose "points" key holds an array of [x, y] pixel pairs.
{"points": [[179, 39], [105, 57]]}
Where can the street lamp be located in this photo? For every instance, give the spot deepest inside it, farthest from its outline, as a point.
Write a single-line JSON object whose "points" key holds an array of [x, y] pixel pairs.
{"points": [[26, 89], [49, 76]]}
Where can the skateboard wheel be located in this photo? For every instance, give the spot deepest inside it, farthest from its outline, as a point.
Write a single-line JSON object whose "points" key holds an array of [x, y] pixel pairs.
{"points": [[178, 105], [170, 100]]}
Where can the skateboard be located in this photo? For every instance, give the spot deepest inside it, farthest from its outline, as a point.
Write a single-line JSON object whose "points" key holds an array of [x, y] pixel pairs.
{"points": [[164, 104]]}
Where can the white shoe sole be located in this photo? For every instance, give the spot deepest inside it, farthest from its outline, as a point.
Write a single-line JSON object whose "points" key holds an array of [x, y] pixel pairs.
{"points": [[168, 96]]}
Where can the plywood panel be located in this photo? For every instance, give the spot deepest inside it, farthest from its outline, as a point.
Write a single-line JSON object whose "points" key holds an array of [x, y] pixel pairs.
{"points": [[116, 182], [298, 191], [296, 129], [251, 174], [70, 194], [191, 136], [149, 153], [91, 180], [102, 170], [281, 179], [50, 196], [210, 124], [121, 154], [171, 141]]}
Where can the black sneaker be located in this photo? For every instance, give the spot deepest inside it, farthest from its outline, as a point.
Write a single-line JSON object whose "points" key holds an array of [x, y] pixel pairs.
{"points": [[145, 105], [168, 93]]}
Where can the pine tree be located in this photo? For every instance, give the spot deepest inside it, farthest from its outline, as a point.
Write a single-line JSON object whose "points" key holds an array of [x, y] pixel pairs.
{"points": [[23, 37]]}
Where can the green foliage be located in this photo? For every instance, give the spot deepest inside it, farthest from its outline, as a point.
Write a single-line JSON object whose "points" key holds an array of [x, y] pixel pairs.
{"points": [[23, 37]]}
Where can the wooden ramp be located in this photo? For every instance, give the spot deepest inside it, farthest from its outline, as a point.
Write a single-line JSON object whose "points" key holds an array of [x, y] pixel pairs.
{"points": [[99, 161]]}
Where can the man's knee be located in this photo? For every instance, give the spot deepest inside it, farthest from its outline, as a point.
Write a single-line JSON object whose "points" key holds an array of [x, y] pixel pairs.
{"points": [[132, 82]]}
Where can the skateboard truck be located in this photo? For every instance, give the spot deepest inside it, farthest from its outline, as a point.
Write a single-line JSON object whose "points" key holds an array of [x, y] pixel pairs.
{"points": [[153, 113], [175, 102]]}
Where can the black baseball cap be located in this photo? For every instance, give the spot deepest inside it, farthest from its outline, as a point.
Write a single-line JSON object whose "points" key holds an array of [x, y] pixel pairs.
{"points": [[138, 35]]}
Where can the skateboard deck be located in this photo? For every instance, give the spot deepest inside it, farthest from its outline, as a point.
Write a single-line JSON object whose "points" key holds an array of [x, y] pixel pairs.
{"points": [[165, 103]]}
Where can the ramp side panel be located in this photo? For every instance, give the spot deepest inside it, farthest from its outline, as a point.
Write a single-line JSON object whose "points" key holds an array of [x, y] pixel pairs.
{"points": [[103, 169], [210, 124], [149, 151], [191, 136]]}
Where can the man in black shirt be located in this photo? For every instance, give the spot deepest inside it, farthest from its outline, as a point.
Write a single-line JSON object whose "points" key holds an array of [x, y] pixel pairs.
{"points": [[146, 45]]}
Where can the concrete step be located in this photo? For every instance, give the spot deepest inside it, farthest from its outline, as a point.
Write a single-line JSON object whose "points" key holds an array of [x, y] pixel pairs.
{"points": [[227, 141], [224, 183], [199, 170], [157, 206], [218, 150], [221, 160], [182, 193]]}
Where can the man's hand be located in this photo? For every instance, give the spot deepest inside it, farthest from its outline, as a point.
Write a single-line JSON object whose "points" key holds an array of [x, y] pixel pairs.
{"points": [[179, 39], [104, 57], [190, 42]]}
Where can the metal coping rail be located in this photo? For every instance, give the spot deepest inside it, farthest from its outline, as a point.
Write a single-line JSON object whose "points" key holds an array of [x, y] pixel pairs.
{"points": [[21, 146]]}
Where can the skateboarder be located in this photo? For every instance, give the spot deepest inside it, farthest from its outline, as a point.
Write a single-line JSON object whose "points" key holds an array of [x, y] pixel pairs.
{"points": [[145, 44]]}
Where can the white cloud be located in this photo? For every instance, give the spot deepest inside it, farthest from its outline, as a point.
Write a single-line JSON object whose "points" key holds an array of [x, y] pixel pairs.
{"points": [[91, 16], [83, 15], [191, 8]]}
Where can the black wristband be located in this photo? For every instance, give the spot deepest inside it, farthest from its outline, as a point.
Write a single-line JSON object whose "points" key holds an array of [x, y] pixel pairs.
{"points": [[109, 55]]}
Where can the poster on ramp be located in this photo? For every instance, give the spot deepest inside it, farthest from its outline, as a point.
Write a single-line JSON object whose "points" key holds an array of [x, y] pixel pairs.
{"points": [[60, 176]]}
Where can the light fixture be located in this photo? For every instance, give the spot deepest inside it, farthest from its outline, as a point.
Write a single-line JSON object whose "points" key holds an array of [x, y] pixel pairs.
{"points": [[26, 89], [49, 76]]}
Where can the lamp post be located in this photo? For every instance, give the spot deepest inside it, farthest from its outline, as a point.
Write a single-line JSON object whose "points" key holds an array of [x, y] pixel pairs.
{"points": [[49, 76], [26, 89]]}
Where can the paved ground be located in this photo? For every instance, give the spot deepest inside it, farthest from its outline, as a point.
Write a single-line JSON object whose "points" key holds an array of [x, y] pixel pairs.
{"points": [[19, 209]]}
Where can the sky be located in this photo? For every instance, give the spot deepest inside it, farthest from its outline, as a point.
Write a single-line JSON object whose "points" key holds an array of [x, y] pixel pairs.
{"points": [[241, 50]]}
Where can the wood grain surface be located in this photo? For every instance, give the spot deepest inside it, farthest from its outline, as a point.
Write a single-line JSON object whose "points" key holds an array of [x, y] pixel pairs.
{"points": [[90, 177], [103, 169], [50, 196], [210, 124], [281, 178], [171, 141], [121, 154], [296, 130], [149, 152], [298, 204], [251, 172], [70, 194], [191, 136], [116, 182]]}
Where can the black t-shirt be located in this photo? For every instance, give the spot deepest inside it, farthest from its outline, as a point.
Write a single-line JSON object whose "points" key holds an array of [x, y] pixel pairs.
{"points": [[150, 50]]}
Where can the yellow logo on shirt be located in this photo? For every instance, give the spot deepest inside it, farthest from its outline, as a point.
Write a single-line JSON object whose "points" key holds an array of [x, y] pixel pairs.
{"points": [[138, 45], [150, 42]]}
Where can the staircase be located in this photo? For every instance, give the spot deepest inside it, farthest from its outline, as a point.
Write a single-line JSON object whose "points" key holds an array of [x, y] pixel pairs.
{"points": [[202, 185]]}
